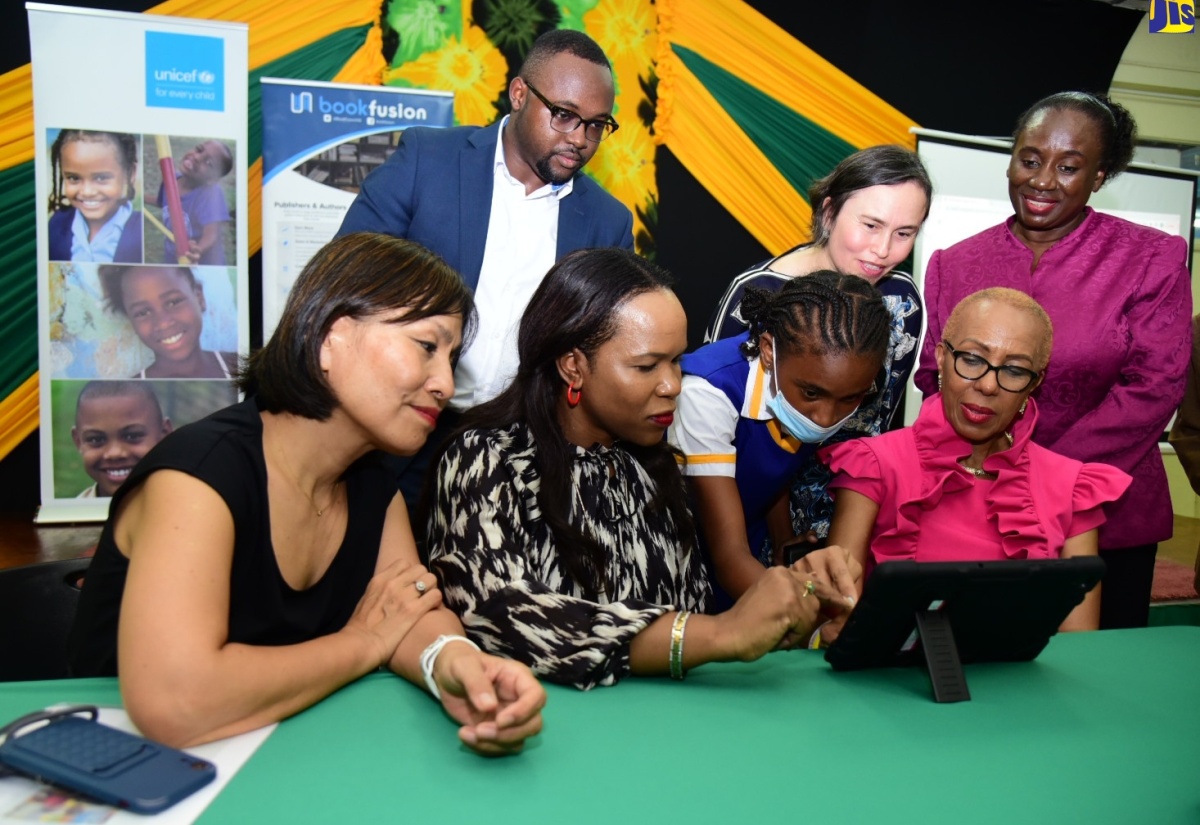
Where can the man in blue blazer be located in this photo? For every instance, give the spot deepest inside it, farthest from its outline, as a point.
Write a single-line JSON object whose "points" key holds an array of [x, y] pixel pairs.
{"points": [[436, 189], [502, 203]]}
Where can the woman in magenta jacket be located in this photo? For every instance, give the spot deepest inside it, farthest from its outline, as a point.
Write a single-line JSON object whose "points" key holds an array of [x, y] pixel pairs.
{"points": [[1119, 295]]}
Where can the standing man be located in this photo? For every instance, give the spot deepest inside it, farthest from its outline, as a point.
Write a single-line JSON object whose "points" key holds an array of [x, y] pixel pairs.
{"points": [[501, 204]]}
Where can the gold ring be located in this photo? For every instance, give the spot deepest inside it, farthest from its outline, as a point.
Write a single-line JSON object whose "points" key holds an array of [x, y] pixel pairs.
{"points": [[810, 587]]}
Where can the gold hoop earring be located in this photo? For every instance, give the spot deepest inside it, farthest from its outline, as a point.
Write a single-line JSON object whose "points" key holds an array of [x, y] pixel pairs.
{"points": [[1023, 405]]}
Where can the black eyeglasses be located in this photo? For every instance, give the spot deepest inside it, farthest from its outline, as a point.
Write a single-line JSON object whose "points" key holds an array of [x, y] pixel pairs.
{"points": [[566, 121], [972, 367]]}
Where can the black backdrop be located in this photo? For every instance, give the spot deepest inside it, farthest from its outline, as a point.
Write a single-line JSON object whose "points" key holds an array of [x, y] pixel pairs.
{"points": [[953, 66], [923, 58]]}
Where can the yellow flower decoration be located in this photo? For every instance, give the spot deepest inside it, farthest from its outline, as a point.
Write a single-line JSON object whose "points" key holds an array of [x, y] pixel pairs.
{"points": [[621, 27], [473, 69], [625, 167]]}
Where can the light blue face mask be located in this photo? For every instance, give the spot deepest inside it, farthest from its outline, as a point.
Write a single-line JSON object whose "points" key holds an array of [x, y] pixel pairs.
{"points": [[791, 419]]}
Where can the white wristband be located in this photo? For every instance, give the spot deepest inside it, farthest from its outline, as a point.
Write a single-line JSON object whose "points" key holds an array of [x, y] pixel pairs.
{"points": [[429, 659]]}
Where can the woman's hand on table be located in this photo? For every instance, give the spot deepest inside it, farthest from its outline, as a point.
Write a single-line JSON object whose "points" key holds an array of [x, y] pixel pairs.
{"points": [[497, 701], [392, 605]]}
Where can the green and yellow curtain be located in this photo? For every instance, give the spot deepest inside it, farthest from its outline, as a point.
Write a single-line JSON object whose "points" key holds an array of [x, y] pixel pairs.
{"points": [[474, 50], [470, 50], [751, 112], [755, 115]]}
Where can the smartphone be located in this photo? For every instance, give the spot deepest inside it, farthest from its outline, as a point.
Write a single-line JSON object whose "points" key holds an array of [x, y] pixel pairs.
{"points": [[794, 552], [106, 764]]}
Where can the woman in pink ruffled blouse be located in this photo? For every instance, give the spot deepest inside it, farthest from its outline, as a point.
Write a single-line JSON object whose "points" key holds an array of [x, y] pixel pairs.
{"points": [[1120, 298], [965, 482]]}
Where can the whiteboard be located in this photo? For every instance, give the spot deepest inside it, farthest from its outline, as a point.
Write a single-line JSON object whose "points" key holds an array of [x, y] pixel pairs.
{"points": [[970, 194]]}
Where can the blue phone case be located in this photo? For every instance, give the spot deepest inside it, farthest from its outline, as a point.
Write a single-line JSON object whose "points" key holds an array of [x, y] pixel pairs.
{"points": [[109, 765]]}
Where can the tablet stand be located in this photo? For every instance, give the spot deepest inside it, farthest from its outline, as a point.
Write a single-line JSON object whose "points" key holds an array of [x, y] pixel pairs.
{"points": [[941, 657]]}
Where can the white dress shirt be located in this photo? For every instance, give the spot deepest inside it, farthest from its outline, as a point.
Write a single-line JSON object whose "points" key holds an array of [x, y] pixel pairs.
{"points": [[522, 244]]}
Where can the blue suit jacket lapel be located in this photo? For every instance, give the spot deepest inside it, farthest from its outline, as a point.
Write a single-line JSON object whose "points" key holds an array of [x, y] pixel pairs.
{"points": [[475, 193], [572, 219]]}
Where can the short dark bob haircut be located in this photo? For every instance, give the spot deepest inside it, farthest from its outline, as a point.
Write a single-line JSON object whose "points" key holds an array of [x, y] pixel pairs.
{"points": [[355, 276]]}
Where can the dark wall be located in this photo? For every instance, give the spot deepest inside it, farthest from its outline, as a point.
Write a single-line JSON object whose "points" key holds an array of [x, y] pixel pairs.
{"points": [[945, 72], [971, 73]]}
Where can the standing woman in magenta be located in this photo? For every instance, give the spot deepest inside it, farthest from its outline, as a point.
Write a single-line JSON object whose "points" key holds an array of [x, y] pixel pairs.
{"points": [[1119, 295], [755, 407], [95, 181]]}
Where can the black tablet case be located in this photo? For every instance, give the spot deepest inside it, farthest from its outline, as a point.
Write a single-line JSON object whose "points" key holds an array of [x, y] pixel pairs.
{"points": [[998, 611]]}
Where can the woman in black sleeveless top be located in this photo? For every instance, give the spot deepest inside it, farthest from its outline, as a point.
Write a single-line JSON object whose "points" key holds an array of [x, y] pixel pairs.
{"points": [[257, 560]]}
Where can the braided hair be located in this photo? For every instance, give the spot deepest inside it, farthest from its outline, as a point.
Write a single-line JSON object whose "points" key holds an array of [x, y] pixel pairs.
{"points": [[125, 145], [819, 314]]}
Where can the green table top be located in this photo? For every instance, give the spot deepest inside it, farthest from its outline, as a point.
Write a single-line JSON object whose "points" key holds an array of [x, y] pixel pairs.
{"points": [[1102, 727]]}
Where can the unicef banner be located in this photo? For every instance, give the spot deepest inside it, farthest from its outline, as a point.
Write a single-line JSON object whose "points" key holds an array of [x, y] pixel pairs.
{"points": [[142, 238], [319, 141]]}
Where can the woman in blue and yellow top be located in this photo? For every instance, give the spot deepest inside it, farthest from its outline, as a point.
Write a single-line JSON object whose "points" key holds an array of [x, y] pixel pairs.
{"points": [[755, 407]]}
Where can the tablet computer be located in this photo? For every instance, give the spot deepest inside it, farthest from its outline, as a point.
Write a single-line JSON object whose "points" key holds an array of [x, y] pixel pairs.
{"points": [[995, 611]]}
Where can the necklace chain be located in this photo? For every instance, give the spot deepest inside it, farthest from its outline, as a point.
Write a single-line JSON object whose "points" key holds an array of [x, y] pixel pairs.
{"points": [[975, 471], [294, 482], [320, 511], [979, 472]]}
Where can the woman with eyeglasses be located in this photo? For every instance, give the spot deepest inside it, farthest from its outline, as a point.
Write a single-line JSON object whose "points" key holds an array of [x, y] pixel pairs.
{"points": [[1120, 298], [965, 482]]}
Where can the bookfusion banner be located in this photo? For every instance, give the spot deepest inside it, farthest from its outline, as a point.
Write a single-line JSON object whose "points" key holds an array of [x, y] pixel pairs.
{"points": [[142, 238], [320, 140]]}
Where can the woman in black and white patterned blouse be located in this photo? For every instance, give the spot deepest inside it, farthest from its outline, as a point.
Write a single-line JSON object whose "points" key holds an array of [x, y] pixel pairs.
{"points": [[558, 520]]}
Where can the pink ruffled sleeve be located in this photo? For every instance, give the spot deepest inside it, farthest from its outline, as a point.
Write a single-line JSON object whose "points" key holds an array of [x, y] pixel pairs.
{"points": [[1095, 486], [855, 467]]}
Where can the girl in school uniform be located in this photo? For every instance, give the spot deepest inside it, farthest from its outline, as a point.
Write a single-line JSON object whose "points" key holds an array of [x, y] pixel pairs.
{"points": [[755, 407]]}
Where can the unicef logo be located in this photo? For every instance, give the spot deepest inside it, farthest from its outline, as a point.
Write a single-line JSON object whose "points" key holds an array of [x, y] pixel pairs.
{"points": [[207, 78]]}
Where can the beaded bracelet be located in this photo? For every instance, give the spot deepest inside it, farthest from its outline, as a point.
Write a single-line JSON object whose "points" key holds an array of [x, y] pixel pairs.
{"points": [[677, 629], [429, 659]]}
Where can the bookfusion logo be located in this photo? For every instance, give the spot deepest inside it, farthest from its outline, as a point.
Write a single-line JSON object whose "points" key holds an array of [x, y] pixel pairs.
{"points": [[301, 103], [185, 71], [356, 110], [1172, 16]]}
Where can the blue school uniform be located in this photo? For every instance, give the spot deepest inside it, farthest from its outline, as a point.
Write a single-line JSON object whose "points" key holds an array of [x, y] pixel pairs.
{"points": [[129, 246], [724, 428]]}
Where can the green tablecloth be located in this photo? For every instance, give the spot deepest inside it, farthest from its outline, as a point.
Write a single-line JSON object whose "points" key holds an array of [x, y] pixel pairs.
{"points": [[1103, 727]]}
